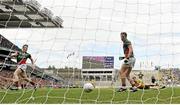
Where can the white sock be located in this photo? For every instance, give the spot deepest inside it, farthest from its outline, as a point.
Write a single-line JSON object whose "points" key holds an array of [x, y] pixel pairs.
{"points": [[123, 87]]}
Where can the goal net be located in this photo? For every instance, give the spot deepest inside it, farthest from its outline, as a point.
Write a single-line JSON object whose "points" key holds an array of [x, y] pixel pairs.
{"points": [[73, 42]]}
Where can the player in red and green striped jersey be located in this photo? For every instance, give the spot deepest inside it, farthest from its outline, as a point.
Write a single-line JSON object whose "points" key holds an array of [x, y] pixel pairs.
{"points": [[20, 72]]}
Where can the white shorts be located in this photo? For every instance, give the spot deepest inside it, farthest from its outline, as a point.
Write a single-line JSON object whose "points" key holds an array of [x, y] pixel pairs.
{"points": [[22, 67], [20, 73], [131, 62]]}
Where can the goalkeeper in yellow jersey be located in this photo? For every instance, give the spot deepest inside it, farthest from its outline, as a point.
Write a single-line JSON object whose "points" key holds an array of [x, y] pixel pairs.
{"points": [[139, 84]]}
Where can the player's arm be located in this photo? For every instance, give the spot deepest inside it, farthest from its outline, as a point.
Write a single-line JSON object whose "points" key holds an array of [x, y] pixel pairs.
{"points": [[32, 62], [130, 51], [15, 54]]}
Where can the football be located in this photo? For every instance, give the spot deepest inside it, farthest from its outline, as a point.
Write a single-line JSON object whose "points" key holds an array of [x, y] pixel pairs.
{"points": [[88, 87]]}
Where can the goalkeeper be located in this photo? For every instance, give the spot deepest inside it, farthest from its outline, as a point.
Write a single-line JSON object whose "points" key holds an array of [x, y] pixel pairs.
{"points": [[138, 83], [128, 60]]}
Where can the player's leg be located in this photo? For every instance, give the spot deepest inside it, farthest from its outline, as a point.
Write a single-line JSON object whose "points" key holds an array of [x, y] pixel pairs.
{"points": [[127, 75], [132, 82], [16, 77], [128, 72], [131, 65], [25, 77], [122, 74], [156, 87]]}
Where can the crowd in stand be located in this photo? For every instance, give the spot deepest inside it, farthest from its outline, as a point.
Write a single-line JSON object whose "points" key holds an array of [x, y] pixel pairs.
{"points": [[170, 77], [8, 74], [5, 74]]}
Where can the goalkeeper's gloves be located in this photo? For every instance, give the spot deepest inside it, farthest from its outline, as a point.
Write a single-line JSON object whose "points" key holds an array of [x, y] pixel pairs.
{"points": [[121, 58], [126, 61]]}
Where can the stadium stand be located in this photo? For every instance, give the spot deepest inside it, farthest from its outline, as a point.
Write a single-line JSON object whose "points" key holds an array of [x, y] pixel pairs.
{"points": [[7, 45], [25, 14], [7, 74], [170, 76]]}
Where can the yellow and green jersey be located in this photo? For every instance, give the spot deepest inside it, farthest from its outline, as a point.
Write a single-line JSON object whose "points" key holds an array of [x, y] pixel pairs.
{"points": [[139, 83]]}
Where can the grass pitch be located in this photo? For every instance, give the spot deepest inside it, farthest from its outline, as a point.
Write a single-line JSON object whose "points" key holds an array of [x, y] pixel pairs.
{"points": [[97, 96]]}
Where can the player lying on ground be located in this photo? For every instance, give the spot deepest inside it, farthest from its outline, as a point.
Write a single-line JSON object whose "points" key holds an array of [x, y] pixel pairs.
{"points": [[20, 73], [139, 84]]}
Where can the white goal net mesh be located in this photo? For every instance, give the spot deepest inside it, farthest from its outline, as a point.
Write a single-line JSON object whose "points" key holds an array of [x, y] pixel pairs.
{"points": [[90, 28]]}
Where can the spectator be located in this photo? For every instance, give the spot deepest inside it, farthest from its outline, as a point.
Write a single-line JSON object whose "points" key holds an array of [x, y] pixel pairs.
{"points": [[140, 75], [153, 80]]}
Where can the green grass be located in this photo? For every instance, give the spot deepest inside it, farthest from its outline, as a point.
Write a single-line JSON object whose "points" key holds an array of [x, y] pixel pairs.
{"points": [[97, 96]]}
